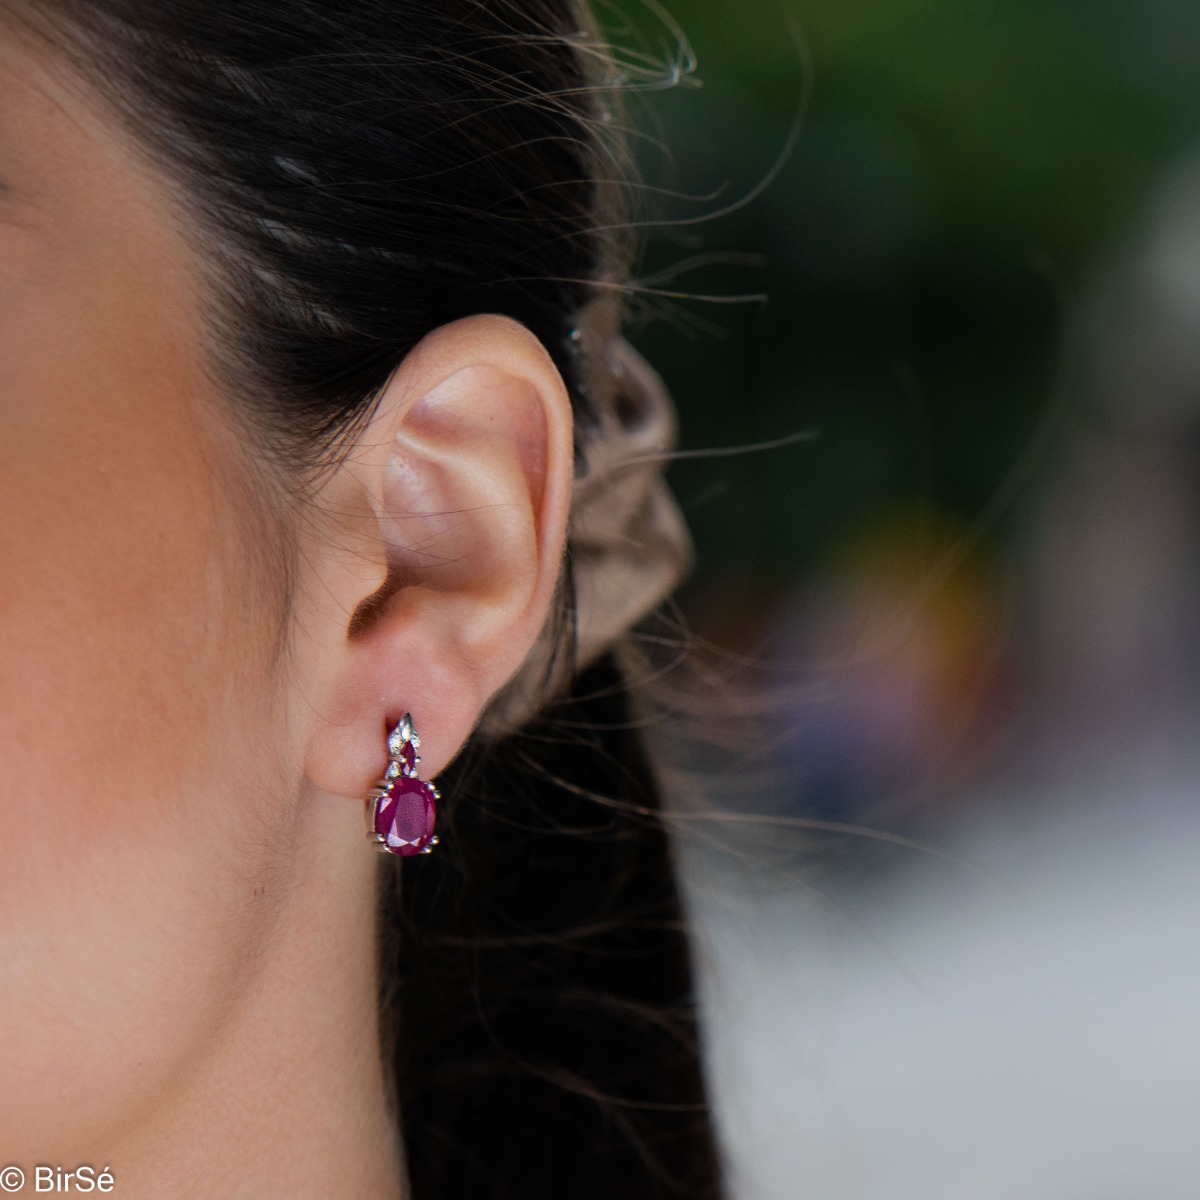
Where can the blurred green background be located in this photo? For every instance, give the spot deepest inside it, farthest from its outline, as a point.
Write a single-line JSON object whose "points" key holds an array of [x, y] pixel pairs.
{"points": [[962, 167], [970, 601]]}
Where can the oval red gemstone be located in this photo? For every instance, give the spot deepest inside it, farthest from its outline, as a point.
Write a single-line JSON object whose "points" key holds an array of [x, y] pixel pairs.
{"points": [[405, 816]]}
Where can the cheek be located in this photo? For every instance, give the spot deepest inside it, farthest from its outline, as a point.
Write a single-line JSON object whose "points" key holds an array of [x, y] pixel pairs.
{"points": [[117, 597], [136, 700]]}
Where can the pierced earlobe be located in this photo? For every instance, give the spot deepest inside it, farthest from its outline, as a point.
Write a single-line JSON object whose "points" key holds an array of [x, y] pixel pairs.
{"points": [[401, 809]]}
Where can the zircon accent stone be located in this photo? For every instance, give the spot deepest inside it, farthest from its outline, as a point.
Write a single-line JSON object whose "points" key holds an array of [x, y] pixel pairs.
{"points": [[405, 816], [402, 737]]}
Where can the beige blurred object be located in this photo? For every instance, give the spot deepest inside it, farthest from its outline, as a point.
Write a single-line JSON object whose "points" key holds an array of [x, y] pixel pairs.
{"points": [[628, 546]]}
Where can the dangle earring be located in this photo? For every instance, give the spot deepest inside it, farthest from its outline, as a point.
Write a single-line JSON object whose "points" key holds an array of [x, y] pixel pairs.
{"points": [[402, 809]]}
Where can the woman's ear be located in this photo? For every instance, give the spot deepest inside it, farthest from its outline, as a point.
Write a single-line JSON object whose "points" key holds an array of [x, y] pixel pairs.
{"points": [[434, 562]]}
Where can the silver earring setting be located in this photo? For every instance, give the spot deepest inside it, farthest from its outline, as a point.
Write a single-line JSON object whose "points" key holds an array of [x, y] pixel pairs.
{"points": [[402, 809]]}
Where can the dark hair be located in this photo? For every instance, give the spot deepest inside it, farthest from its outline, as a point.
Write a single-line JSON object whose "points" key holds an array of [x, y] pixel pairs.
{"points": [[363, 172]]}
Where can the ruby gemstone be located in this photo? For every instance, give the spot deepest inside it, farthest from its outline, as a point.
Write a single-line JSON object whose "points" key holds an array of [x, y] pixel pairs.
{"points": [[407, 758], [405, 816]]}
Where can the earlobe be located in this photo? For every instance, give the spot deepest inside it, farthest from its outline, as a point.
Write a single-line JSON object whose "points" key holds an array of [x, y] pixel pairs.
{"points": [[462, 485]]}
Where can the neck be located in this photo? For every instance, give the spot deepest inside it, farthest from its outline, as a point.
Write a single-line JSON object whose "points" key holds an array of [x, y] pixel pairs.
{"points": [[289, 1099]]}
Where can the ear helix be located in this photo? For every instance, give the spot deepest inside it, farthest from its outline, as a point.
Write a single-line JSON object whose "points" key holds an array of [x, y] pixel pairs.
{"points": [[401, 809]]}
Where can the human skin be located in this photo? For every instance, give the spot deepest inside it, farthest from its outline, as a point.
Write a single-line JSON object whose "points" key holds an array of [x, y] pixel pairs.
{"points": [[187, 986]]}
